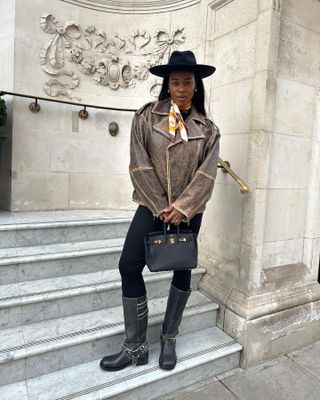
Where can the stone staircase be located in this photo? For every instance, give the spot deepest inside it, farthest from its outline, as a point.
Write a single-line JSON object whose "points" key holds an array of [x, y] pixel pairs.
{"points": [[60, 312]]}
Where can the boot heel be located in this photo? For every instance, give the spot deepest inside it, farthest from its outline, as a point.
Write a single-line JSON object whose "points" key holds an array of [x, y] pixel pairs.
{"points": [[143, 360]]}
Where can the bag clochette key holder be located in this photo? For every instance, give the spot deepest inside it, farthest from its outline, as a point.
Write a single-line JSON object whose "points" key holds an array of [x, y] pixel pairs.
{"points": [[171, 250]]}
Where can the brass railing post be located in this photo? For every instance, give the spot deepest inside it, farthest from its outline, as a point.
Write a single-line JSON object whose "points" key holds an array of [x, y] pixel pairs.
{"points": [[225, 165]]}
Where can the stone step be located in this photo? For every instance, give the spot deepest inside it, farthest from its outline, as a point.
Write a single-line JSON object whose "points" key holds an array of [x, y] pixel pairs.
{"points": [[41, 228], [18, 264], [201, 355], [33, 301], [36, 349]]}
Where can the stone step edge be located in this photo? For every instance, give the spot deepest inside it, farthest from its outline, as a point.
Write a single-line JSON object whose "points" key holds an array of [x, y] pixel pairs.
{"points": [[64, 224], [60, 255], [211, 354], [79, 290], [87, 335]]}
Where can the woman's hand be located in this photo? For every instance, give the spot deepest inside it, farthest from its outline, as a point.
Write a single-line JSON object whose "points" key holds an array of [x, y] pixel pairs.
{"points": [[172, 216]]}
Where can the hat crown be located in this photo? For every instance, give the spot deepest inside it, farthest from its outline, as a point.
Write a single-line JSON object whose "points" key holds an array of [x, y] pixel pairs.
{"points": [[182, 61], [182, 57]]}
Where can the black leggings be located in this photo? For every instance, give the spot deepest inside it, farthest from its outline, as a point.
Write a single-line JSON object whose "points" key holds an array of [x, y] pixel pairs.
{"points": [[132, 260]]}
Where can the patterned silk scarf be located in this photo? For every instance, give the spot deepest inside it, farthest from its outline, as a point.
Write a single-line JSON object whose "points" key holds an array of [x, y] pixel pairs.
{"points": [[176, 121]]}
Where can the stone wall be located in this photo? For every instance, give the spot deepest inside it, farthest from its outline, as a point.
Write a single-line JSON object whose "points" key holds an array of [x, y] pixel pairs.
{"points": [[264, 273], [265, 104], [231, 46]]}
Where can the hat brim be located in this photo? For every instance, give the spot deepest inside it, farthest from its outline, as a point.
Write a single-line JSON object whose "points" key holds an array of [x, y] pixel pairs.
{"points": [[200, 69]]}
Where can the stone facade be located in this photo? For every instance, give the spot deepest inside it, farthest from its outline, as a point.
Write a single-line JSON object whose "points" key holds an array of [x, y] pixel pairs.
{"points": [[261, 250], [263, 256]]}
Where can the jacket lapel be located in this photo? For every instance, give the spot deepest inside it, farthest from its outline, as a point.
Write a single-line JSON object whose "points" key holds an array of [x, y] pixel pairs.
{"points": [[193, 122], [162, 108], [162, 127]]}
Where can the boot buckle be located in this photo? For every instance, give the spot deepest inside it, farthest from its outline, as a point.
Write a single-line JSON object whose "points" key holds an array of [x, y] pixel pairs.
{"points": [[165, 338]]}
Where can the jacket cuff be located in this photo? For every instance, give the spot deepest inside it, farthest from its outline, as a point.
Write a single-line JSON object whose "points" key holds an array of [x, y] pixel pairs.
{"points": [[188, 217]]}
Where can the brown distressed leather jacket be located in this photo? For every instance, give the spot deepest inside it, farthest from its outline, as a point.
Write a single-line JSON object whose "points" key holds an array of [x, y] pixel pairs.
{"points": [[165, 172]]}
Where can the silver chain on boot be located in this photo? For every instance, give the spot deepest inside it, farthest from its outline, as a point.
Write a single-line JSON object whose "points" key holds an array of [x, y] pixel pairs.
{"points": [[136, 353], [165, 338]]}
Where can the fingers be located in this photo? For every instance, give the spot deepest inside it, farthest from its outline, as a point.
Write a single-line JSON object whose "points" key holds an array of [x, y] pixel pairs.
{"points": [[174, 217], [169, 217], [168, 209]]}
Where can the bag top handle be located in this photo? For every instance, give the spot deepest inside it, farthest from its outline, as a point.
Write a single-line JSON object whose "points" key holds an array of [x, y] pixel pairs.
{"points": [[165, 231]]}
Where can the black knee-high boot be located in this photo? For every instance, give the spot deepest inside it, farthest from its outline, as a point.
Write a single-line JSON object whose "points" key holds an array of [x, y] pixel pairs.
{"points": [[135, 350], [176, 304]]}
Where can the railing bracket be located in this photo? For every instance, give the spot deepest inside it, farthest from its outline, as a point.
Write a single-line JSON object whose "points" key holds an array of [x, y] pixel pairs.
{"points": [[34, 107], [83, 114], [225, 166]]}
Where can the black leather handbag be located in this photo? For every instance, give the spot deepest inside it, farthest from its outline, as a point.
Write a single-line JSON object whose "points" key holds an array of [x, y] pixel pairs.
{"points": [[171, 250]]}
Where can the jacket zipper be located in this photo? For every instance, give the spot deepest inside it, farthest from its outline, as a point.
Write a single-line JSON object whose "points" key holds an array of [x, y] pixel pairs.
{"points": [[168, 176], [168, 167]]}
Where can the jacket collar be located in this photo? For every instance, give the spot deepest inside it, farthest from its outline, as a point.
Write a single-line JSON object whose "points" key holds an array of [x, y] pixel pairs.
{"points": [[162, 108]]}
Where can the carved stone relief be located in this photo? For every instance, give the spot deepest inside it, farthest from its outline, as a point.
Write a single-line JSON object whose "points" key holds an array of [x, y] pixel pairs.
{"points": [[133, 6], [217, 4], [112, 60], [155, 89]]}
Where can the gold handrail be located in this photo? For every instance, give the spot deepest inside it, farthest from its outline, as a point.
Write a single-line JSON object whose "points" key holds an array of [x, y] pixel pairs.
{"points": [[225, 165], [34, 107]]}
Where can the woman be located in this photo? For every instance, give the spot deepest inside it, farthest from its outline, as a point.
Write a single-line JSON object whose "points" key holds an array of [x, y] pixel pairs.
{"points": [[173, 164]]}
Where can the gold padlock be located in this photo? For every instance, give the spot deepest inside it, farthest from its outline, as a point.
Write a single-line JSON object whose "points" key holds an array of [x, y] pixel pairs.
{"points": [[171, 240]]}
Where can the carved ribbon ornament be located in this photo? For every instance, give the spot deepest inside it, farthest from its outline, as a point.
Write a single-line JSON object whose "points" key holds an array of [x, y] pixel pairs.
{"points": [[103, 56]]}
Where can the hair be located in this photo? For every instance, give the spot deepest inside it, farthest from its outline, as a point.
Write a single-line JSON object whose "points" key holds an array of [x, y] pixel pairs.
{"points": [[197, 99]]}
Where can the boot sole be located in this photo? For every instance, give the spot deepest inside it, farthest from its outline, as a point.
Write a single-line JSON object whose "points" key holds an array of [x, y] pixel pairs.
{"points": [[167, 368], [116, 369], [141, 361]]}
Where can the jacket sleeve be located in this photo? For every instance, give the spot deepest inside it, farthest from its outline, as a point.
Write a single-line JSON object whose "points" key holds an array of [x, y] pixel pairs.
{"points": [[199, 190], [143, 176]]}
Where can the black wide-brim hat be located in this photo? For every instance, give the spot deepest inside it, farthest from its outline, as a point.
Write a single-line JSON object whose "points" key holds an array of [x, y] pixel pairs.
{"points": [[183, 61]]}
